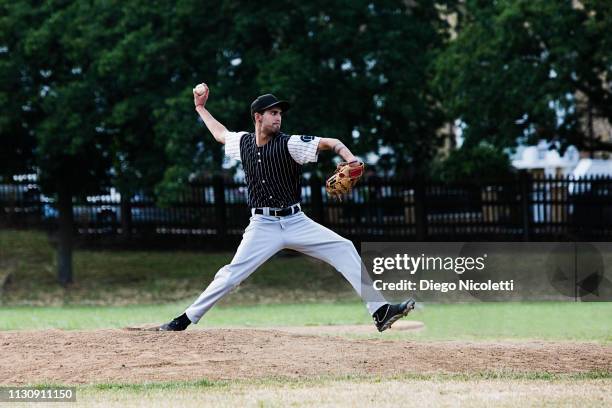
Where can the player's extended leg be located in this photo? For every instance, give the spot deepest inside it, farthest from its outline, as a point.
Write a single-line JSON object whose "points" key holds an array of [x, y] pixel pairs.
{"points": [[305, 235], [311, 238], [260, 241]]}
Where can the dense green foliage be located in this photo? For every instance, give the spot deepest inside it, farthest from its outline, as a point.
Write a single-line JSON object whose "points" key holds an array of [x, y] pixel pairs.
{"points": [[483, 162], [99, 91], [529, 70]]}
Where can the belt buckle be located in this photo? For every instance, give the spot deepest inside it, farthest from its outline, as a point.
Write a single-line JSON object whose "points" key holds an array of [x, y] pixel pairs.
{"points": [[280, 212]]}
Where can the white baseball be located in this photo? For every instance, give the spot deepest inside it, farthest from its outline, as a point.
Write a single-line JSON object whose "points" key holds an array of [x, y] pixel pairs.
{"points": [[200, 89]]}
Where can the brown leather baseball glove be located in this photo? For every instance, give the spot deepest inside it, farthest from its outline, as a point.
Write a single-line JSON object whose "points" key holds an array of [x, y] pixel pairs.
{"points": [[344, 179]]}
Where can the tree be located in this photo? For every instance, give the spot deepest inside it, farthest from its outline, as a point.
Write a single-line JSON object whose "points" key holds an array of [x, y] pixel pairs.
{"points": [[145, 65], [479, 163], [17, 141], [518, 70], [50, 121]]}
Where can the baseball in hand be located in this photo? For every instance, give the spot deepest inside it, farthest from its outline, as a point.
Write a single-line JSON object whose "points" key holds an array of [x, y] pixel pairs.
{"points": [[200, 89]]}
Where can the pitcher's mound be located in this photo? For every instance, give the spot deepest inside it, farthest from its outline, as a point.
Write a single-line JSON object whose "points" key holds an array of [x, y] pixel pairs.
{"points": [[102, 356], [402, 325]]}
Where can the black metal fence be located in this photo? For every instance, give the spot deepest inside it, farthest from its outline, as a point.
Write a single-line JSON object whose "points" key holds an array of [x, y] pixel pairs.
{"points": [[215, 211]]}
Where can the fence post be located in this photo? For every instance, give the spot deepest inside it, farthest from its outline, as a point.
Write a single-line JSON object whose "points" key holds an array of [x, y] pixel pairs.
{"points": [[524, 181], [220, 212], [125, 210], [316, 199], [420, 212]]}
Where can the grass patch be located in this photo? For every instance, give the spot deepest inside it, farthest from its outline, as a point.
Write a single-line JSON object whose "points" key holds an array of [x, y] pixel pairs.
{"points": [[137, 277], [321, 380], [538, 320], [483, 321], [168, 385], [434, 390], [90, 317]]}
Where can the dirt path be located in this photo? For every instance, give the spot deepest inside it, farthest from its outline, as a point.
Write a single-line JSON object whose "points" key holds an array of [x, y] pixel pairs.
{"points": [[78, 357]]}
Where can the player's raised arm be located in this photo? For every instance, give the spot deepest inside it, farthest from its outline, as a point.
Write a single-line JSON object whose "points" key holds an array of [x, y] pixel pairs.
{"points": [[337, 147], [200, 96]]}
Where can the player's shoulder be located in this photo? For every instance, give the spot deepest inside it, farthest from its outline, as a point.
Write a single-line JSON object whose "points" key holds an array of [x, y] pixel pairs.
{"points": [[242, 133], [302, 138], [282, 138], [239, 134]]}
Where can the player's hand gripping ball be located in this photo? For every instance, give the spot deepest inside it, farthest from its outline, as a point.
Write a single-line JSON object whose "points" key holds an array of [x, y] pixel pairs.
{"points": [[344, 179], [200, 95], [200, 89]]}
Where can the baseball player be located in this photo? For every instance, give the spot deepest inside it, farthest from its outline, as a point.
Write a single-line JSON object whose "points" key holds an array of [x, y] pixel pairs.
{"points": [[272, 165]]}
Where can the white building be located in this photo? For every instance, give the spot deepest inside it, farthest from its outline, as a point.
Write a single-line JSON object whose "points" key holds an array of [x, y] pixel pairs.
{"points": [[592, 167], [542, 160]]}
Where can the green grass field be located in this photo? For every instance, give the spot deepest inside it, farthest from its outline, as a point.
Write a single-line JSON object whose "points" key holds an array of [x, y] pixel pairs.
{"points": [[488, 321], [428, 391], [117, 289]]}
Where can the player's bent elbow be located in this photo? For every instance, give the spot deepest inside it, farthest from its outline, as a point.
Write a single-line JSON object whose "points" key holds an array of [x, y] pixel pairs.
{"points": [[334, 142], [327, 143]]}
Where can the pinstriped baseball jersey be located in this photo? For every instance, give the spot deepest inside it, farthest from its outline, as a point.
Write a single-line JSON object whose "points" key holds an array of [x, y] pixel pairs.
{"points": [[272, 171]]}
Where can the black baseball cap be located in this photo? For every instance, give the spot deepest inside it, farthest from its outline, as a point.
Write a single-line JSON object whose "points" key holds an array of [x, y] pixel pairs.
{"points": [[267, 101]]}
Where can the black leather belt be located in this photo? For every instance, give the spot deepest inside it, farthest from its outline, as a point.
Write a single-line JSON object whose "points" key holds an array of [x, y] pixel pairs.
{"points": [[280, 212]]}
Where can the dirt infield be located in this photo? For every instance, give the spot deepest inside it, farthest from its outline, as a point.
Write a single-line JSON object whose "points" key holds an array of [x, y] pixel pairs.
{"points": [[122, 356]]}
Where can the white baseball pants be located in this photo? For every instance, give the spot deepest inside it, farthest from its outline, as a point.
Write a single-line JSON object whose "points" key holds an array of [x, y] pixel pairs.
{"points": [[264, 237]]}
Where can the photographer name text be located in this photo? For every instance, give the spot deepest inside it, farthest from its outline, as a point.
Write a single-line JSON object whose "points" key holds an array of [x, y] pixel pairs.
{"points": [[430, 285]]}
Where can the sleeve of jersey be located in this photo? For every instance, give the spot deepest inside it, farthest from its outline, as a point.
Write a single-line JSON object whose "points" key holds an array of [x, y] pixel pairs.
{"points": [[232, 144], [304, 149]]}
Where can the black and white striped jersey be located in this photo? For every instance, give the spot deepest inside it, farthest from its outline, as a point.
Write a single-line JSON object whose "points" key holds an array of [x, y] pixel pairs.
{"points": [[273, 171]]}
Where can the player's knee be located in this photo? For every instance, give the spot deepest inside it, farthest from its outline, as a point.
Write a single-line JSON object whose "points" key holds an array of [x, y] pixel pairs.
{"points": [[348, 244], [229, 277], [224, 274], [348, 248]]}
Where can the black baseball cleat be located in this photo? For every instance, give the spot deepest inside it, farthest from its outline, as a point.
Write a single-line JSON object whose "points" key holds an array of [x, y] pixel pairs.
{"points": [[388, 314], [178, 324]]}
